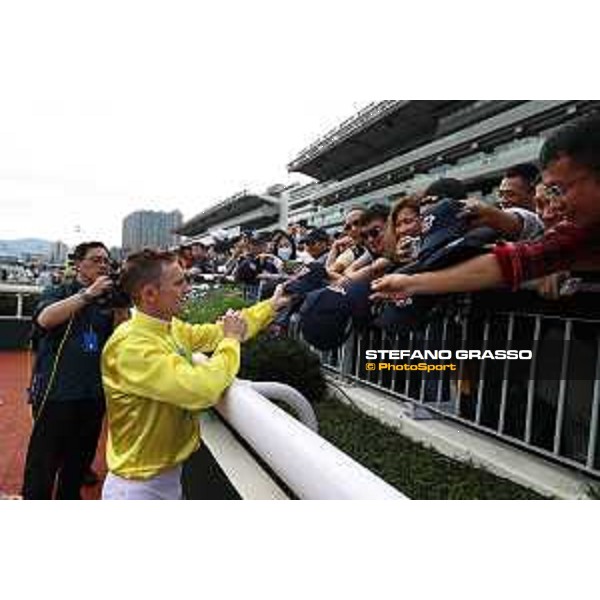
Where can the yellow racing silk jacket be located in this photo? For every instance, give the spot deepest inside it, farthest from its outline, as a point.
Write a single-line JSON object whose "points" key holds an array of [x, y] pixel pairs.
{"points": [[154, 393]]}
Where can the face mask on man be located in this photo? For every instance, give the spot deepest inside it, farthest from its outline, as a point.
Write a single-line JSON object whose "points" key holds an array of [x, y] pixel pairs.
{"points": [[284, 253]]}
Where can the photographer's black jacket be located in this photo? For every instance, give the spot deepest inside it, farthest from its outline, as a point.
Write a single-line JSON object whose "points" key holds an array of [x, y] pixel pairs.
{"points": [[77, 369]]}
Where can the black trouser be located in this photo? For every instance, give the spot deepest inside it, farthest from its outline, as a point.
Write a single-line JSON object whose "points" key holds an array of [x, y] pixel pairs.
{"points": [[61, 449]]}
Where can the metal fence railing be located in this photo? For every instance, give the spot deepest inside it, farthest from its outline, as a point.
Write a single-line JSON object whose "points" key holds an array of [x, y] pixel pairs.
{"points": [[549, 404], [17, 302]]}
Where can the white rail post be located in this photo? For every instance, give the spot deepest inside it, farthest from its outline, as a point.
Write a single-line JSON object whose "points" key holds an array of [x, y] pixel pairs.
{"points": [[309, 465]]}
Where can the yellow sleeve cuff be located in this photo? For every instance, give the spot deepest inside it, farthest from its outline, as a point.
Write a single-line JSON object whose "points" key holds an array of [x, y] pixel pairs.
{"points": [[258, 316]]}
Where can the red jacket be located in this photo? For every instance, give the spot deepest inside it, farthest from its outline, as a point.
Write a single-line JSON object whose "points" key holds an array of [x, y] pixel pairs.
{"points": [[561, 246]]}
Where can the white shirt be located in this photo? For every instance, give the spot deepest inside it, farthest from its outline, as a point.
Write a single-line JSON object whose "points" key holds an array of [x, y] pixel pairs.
{"points": [[531, 225]]}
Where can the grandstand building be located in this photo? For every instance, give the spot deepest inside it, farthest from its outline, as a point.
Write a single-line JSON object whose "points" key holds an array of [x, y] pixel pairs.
{"points": [[394, 147], [242, 211]]}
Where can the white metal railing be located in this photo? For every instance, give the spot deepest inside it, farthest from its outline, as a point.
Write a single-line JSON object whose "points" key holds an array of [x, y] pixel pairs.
{"points": [[549, 405], [16, 294], [310, 466], [274, 390]]}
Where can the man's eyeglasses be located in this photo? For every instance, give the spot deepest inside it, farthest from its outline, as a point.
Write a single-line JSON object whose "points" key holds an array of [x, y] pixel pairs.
{"points": [[558, 191], [374, 232]]}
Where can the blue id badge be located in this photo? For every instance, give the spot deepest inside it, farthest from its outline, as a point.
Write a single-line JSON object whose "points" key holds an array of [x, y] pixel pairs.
{"points": [[90, 342]]}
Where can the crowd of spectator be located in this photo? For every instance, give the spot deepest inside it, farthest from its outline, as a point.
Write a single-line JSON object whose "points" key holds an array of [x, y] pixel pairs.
{"points": [[40, 274], [418, 243]]}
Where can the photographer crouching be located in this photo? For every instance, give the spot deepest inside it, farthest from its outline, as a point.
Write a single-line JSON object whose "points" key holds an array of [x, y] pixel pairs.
{"points": [[72, 323]]}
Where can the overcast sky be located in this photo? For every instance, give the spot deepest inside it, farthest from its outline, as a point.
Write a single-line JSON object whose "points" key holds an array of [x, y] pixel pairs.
{"points": [[110, 106], [103, 113]]}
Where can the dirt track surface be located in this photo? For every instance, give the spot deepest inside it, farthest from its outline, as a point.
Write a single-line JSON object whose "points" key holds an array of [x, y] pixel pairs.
{"points": [[15, 426]]}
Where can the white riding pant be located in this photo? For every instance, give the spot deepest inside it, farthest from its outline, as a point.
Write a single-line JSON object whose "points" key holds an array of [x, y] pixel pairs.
{"points": [[166, 486]]}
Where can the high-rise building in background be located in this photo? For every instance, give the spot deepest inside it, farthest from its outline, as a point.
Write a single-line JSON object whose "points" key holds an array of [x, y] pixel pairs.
{"points": [[58, 252], [150, 229], [116, 252]]}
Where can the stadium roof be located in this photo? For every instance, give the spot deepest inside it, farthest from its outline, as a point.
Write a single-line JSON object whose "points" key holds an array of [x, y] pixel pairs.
{"points": [[242, 209], [480, 129], [385, 129]]}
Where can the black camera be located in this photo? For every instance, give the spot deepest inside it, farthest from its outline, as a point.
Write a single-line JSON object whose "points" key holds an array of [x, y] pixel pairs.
{"points": [[116, 297]]}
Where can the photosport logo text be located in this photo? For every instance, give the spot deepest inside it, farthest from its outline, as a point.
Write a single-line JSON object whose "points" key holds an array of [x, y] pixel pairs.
{"points": [[387, 360]]}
